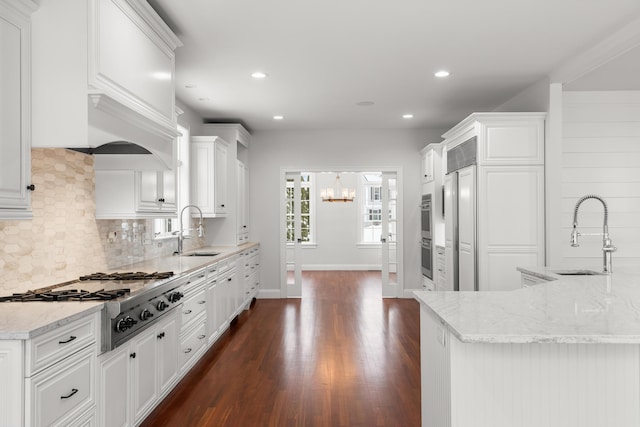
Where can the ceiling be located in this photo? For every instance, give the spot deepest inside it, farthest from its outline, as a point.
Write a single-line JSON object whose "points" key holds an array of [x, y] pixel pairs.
{"points": [[323, 57]]}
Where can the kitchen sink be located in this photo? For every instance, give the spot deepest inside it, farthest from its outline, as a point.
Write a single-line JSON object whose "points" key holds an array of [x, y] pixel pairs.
{"points": [[202, 254], [577, 273]]}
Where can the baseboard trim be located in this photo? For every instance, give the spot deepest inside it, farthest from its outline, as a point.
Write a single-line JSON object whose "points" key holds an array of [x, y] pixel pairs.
{"points": [[269, 294], [341, 267]]}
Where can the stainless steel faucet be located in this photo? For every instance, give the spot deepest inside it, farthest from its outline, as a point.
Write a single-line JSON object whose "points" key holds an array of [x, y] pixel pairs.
{"points": [[181, 232], [607, 247]]}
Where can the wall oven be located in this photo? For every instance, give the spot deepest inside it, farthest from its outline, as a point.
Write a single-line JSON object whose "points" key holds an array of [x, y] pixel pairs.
{"points": [[426, 217], [427, 258]]}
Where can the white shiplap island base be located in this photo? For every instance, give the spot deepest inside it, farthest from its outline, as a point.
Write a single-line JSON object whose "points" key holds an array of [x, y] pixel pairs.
{"points": [[559, 354]]}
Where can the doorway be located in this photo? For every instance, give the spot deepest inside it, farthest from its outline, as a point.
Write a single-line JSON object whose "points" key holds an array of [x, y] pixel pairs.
{"points": [[320, 234]]}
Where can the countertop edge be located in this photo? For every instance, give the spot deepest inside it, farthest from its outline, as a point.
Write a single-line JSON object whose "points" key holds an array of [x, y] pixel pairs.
{"points": [[87, 309]]}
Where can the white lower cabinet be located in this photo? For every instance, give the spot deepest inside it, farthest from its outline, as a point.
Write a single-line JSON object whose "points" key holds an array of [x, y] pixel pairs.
{"points": [[49, 380], [192, 344], [60, 393], [134, 377]]}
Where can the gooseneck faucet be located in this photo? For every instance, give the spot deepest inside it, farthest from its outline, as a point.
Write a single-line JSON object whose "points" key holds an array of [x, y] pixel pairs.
{"points": [[607, 247], [181, 232]]}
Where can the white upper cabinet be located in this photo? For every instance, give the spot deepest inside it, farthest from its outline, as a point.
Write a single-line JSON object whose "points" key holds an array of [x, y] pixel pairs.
{"points": [[209, 183], [243, 203], [103, 71], [427, 165], [15, 108], [156, 191], [131, 194]]}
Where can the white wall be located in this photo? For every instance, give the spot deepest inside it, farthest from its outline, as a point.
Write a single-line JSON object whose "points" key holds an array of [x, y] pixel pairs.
{"points": [[332, 150], [601, 155], [336, 229], [532, 99]]}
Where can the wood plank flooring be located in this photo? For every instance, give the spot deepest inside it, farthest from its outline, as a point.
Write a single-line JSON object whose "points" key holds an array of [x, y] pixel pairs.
{"points": [[340, 356]]}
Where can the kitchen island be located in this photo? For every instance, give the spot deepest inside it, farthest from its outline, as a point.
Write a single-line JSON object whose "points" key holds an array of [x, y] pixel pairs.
{"points": [[561, 353]]}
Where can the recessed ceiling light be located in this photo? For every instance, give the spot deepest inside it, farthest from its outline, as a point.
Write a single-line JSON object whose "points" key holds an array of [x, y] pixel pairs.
{"points": [[407, 116], [278, 117], [258, 75], [203, 99], [442, 73], [190, 86], [365, 103]]}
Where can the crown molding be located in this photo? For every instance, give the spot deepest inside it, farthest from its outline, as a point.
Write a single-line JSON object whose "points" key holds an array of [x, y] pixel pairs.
{"points": [[618, 43]]}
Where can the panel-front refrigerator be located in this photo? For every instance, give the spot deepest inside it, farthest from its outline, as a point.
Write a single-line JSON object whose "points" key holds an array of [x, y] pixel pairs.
{"points": [[460, 192]]}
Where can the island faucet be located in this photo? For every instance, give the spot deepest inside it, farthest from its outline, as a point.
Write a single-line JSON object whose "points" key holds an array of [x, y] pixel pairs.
{"points": [[607, 247], [181, 232]]}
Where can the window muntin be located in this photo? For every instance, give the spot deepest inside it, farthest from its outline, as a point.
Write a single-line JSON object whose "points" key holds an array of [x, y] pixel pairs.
{"points": [[306, 208]]}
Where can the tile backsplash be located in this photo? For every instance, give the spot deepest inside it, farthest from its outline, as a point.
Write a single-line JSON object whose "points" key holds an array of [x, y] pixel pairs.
{"points": [[64, 240]]}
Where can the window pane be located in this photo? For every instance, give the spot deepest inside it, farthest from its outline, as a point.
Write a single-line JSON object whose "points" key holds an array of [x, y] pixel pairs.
{"points": [[304, 193], [305, 206]]}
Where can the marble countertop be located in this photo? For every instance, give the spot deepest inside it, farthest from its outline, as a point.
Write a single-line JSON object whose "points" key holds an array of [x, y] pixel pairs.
{"points": [[26, 320], [569, 309]]}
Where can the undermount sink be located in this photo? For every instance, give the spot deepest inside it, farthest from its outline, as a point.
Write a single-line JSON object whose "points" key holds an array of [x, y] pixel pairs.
{"points": [[202, 254], [577, 273]]}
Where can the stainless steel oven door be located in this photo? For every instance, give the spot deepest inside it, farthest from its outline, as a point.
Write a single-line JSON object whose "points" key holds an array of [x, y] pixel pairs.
{"points": [[427, 258], [426, 217]]}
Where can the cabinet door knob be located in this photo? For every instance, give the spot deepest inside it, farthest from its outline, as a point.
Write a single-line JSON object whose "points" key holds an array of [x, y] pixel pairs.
{"points": [[132, 355], [161, 200], [31, 187]]}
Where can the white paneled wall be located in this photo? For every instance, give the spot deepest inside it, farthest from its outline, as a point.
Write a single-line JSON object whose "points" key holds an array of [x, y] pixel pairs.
{"points": [[601, 155]]}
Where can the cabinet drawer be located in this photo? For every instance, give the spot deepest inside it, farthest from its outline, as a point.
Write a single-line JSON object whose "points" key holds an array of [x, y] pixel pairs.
{"points": [[193, 305], [88, 419], [192, 342], [194, 281], [59, 394], [53, 346], [212, 271]]}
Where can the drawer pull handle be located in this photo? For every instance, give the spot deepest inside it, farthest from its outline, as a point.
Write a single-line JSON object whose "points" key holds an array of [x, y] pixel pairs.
{"points": [[187, 312], [201, 302], [201, 276], [73, 391], [200, 337], [188, 350], [229, 279], [161, 335], [71, 338], [132, 355]]}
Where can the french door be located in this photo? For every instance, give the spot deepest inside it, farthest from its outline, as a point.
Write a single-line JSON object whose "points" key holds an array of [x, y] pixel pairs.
{"points": [[389, 235], [295, 202]]}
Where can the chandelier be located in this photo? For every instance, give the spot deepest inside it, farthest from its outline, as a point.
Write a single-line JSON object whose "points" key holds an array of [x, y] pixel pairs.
{"points": [[337, 193]]}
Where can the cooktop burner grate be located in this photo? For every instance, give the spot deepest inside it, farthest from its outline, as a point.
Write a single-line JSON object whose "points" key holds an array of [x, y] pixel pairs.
{"points": [[128, 276], [66, 295]]}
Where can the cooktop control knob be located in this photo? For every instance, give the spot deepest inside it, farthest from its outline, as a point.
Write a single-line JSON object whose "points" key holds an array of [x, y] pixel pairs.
{"points": [[175, 297], [161, 306], [125, 323], [146, 314]]}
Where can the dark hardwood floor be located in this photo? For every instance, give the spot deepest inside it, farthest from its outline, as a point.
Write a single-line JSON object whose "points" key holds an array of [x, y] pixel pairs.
{"points": [[340, 356]]}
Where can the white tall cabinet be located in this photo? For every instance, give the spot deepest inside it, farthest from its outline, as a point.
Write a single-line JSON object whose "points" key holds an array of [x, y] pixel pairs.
{"points": [[15, 108], [209, 183], [506, 193]]}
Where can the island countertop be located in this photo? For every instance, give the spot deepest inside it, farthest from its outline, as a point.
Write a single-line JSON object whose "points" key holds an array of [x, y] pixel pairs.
{"points": [[576, 309]]}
